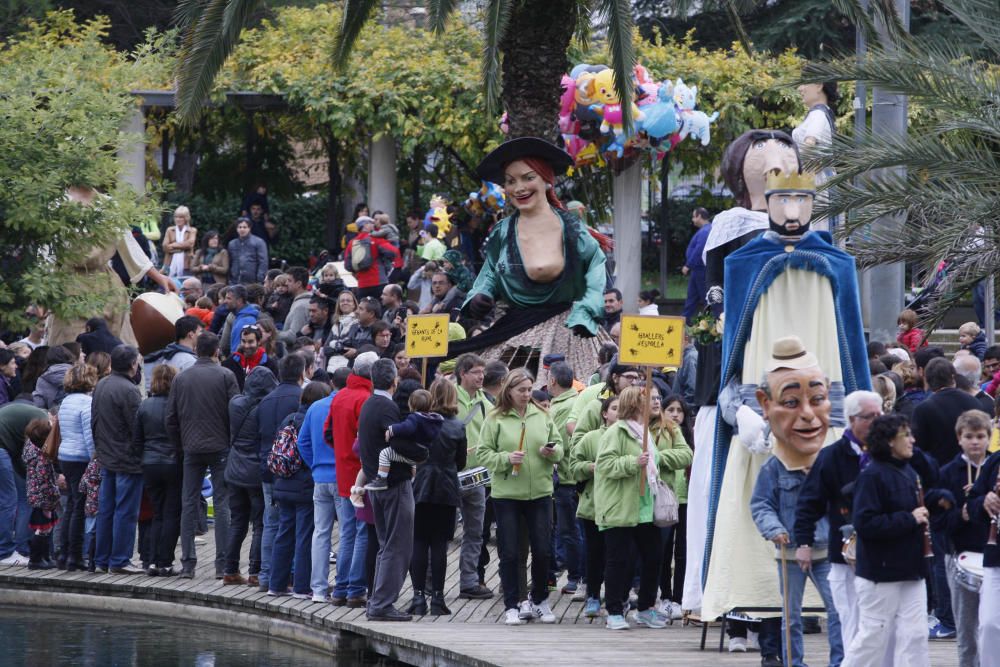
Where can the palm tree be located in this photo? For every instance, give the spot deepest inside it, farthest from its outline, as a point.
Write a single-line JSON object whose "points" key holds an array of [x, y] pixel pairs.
{"points": [[941, 182], [532, 36]]}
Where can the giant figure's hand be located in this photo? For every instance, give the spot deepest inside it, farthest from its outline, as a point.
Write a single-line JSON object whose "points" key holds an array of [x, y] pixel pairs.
{"points": [[582, 331], [750, 428], [480, 306]]}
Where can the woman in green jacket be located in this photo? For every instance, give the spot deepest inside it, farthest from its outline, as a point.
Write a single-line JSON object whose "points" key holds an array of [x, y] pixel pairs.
{"points": [[624, 515], [675, 537], [519, 444], [583, 460]]}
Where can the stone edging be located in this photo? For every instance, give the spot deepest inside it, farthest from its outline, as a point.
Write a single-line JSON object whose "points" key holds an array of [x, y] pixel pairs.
{"points": [[266, 617]]}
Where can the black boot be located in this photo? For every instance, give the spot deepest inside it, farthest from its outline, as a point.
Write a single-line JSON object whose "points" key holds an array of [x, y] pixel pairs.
{"points": [[39, 549], [418, 606], [438, 607]]}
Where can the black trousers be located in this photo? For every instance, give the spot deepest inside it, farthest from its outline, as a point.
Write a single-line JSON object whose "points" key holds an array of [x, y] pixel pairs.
{"points": [[371, 556], [622, 545], [72, 534], [246, 509], [433, 527], [163, 483], [536, 516], [594, 560], [674, 549]]}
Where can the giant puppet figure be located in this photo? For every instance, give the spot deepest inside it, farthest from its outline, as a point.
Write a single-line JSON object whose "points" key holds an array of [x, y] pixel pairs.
{"points": [[543, 264], [786, 282], [745, 164]]}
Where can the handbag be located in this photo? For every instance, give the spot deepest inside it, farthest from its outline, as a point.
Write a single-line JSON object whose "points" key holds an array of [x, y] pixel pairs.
{"points": [[666, 509]]}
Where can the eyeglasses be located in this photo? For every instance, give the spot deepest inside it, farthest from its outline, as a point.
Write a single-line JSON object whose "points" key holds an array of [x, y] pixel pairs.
{"points": [[868, 416], [631, 376], [251, 327]]}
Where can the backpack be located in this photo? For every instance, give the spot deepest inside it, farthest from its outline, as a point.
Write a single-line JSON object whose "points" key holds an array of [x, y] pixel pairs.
{"points": [[284, 459], [360, 258]]}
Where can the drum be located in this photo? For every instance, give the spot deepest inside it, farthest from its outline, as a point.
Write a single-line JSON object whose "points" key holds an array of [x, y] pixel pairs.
{"points": [[473, 477], [969, 570]]}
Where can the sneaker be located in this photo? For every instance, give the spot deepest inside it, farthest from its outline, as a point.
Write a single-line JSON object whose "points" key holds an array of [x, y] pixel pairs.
{"points": [[320, 599], [377, 484], [543, 612], [940, 632], [593, 608], [650, 618], [276, 594], [512, 617], [302, 596], [753, 640], [581, 593], [524, 611], [770, 661], [617, 622], [671, 610], [570, 588], [15, 560], [200, 540], [737, 645], [932, 621]]}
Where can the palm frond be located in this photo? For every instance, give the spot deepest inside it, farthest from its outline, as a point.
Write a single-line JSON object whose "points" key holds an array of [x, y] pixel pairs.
{"points": [[188, 11], [980, 16], [583, 24], [440, 10], [741, 32], [210, 38], [879, 16], [494, 29], [356, 14], [618, 14]]}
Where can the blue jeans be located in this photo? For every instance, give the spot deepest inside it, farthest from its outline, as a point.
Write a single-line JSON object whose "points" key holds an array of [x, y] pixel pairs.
{"points": [[796, 585], [117, 518], [267, 536], [324, 514], [14, 510], [569, 532], [939, 581], [292, 541], [351, 581]]}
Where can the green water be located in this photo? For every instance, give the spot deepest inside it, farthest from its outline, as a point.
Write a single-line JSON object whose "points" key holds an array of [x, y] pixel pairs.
{"points": [[44, 638]]}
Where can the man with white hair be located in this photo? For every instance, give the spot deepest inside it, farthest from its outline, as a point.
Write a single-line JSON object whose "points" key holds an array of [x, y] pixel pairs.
{"points": [[968, 370], [836, 466]]}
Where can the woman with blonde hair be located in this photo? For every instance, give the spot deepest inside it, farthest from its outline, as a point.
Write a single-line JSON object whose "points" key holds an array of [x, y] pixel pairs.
{"points": [[341, 321], [75, 452], [178, 244], [625, 515], [519, 444], [885, 388]]}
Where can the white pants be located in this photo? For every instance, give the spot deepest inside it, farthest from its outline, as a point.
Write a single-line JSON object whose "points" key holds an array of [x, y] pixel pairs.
{"points": [[897, 609], [697, 509], [845, 599], [989, 618]]}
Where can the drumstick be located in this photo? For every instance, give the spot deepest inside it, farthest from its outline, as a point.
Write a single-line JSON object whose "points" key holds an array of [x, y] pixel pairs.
{"points": [[520, 448]]}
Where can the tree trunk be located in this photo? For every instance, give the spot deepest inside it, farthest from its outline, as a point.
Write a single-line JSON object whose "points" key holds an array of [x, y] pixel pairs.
{"points": [[333, 217], [534, 60]]}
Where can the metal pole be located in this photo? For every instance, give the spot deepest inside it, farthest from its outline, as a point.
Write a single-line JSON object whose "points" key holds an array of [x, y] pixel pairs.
{"points": [[883, 286], [664, 220], [989, 310], [627, 202]]}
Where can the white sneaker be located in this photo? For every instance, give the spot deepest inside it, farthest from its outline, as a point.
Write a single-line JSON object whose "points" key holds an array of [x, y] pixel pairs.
{"points": [[524, 611], [512, 617], [543, 612], [320, 598], [671, 610], [737, 645], [581, 593], [753, 644], [15, 559]]}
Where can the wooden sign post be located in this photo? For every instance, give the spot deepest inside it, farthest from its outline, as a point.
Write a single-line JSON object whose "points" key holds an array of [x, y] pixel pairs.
{"points": [[650, 342], [426, 336]]}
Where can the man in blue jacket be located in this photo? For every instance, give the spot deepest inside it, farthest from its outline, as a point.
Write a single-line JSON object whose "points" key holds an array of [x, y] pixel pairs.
{"points": [[694, 265], [321, 461], [272, 410]]}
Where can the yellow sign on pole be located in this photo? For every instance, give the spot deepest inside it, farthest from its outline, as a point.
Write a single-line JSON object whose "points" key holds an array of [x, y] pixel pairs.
{"points": [[651, 341], [427, 335]]}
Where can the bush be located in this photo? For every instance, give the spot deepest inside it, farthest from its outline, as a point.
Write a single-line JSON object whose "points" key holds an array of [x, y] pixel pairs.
{"points": [[301, 222]]}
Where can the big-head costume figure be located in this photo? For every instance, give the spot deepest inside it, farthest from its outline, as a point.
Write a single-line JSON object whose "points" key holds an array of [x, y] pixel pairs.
{"points": [[786, 282]]}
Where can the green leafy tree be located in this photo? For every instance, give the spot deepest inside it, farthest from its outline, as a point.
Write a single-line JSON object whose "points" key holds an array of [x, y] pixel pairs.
{"points": [[64, 101], [523, 48]]}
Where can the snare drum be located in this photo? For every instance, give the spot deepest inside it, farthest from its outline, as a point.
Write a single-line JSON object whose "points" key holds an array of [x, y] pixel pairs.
{"points": [[473, 477], [969, 570]]}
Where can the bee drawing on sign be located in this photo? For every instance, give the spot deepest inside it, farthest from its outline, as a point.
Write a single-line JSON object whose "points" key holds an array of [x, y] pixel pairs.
{"points": [[437, 344], [634, 327], [670, 329], [634, 352], [670, 353]]}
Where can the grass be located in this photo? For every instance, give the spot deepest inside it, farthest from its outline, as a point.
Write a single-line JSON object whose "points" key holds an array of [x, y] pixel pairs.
{"points": [[676, 284]]}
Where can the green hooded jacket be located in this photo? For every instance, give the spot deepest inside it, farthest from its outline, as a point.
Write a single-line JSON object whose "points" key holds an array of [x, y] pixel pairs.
{"points": [[559, 410], [580, 459], [500, 436], [472, 411]]}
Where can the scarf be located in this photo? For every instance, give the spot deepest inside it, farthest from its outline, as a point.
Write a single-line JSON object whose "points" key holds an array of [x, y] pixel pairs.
{"points": [[252, 362], [864, 458], [177, 259]]}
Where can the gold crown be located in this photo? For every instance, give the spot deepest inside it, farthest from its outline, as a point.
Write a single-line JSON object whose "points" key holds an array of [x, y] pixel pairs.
{"points": [[785, 182]]}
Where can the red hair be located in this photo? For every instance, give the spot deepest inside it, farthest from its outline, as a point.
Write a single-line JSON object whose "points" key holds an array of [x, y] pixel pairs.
{"points": [[544, 169]]}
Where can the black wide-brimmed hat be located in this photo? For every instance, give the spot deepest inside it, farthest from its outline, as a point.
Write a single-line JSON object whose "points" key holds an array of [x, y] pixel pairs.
{"points": [[492, 166]]}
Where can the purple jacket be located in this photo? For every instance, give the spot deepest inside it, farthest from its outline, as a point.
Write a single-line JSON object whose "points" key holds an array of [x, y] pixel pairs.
{"points": [[692, 258]]}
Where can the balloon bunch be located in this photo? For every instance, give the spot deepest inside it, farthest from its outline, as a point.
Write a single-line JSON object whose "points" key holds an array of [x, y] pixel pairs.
{"points": [[591, 115], [488, 201]]}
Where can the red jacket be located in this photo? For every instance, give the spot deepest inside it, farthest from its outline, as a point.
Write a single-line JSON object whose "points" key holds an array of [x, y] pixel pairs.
{"points": [[376, 273], [342, 427], [911, 339]]}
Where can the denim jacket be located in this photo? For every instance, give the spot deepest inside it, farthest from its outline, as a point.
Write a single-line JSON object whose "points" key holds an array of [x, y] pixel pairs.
{"points": [[772, 506]]}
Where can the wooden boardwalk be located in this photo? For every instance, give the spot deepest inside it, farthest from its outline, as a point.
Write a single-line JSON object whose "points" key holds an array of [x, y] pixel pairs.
{"points": [[472, 635]]}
